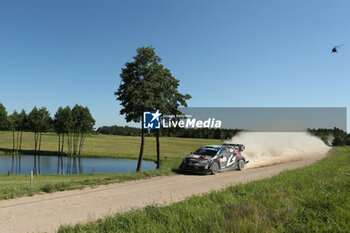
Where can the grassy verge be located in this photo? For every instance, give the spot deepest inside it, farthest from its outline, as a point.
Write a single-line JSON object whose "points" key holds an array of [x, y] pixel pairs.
{"points": [[311, 199]]}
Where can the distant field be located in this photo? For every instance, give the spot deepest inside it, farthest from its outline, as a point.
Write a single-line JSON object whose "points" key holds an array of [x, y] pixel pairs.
{"points": [[115, 146]]}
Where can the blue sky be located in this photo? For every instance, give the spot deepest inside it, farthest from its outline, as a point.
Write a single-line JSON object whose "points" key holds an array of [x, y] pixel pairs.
{"points": [[225, 53]]}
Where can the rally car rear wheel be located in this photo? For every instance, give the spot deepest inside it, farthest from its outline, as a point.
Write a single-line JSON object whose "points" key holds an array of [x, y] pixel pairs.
{"points": [[214, 168], [241, 164]]}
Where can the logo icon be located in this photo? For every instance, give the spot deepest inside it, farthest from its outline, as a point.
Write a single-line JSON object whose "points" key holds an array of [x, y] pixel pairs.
{"points": [[151, 120]]}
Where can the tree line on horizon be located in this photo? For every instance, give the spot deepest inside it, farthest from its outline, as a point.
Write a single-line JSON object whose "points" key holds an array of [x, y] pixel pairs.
{"points": [[332, 137], [208, 133], [74, 123]]}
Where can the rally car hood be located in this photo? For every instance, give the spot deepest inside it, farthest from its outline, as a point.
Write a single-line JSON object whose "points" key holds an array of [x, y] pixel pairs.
{"points": [[194, 157]]}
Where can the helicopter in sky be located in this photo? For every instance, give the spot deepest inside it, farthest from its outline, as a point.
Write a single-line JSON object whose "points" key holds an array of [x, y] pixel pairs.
{"points": [[335, 48]]}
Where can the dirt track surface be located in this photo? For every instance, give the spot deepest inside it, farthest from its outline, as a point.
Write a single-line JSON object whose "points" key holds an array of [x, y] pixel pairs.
{"points": [[45, 213]]}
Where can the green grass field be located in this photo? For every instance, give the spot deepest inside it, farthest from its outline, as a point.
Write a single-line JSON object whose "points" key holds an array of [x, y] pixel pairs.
{"points": [[174, 149], [311, 199], [114, 146]]}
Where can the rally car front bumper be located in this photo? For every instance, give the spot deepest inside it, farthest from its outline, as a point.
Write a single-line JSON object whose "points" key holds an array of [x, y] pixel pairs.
{"points": [[195, 168]]}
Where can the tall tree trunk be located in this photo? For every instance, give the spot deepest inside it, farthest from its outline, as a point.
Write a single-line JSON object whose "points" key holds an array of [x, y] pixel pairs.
{"points": [[35, 147], [139, 162], [20, 142], [158, 152], [60, 159], [68, 141], [69, 144], [59, 153], [75, 142], [17, 141], [38, 151], [13, 141], [82, 140], [35, 142], [82, 147], [62, 144], [40, 142], [72, 141], [59, 144], [80, 143]]}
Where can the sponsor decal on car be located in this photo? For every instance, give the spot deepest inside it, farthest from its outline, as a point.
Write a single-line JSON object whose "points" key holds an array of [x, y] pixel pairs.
{"points": [[231, 160], [223, 160]]}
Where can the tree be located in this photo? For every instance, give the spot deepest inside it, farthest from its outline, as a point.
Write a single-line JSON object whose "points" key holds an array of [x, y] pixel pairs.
{"points": [[17, 123], [13, 126], [63, 124], [22, 125], [34, 126], [146, 85], [135, 91], [4, 121], [39, 121], [58, 124], [83, 123], [166, 98], [67, 127], [86, 127]]}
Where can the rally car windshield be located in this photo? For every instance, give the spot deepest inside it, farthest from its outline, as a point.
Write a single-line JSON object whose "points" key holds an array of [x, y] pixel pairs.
{"points": [[205, 152]]}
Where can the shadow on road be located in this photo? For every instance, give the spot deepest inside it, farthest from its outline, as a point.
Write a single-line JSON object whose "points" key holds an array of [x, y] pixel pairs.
{"points": [[180, 172]]}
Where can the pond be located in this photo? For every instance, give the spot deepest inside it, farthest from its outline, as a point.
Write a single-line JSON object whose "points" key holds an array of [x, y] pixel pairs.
{"points": [[43, 164]]}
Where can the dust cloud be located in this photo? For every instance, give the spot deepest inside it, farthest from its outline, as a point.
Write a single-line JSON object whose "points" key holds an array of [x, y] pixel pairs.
{"points": [[263, 148]]}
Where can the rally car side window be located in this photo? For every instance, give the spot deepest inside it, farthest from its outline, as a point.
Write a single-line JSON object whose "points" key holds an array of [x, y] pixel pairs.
{"points": [[227, 152], [222, 151]]}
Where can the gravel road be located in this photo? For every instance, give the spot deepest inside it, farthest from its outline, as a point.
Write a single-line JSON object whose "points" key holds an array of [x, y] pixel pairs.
{"points": [[46, 212]]}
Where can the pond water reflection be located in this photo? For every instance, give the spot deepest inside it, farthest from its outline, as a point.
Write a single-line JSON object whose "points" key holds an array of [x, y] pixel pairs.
{"points": [[43, 164]]}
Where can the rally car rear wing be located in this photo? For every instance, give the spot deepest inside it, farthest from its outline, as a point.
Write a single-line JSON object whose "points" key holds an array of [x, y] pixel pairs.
{"points": [[240, 147]]}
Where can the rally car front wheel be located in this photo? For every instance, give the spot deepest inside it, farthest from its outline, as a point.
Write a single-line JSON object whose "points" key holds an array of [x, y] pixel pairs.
{"points": [[214, 168], [241, 164]]}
